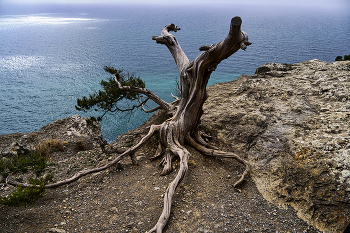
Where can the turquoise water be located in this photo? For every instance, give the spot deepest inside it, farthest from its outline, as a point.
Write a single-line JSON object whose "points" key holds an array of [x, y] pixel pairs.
{"points": [[50, 56]]}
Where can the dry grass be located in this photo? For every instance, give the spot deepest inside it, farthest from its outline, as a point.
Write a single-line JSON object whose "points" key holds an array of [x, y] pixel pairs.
{"points": [[48, 147]]}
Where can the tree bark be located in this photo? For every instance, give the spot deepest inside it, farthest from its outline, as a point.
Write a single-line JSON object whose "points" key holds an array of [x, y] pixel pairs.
{"points": [[183, 126]]}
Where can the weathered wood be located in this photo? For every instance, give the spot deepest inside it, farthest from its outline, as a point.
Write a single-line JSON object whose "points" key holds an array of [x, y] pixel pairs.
{"points": [[185, 112], [183, 126]]}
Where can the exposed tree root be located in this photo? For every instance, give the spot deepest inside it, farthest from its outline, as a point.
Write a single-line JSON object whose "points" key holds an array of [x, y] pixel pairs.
{"points": [[177, 149], [129, 152], [221, 154], [185, 112]]}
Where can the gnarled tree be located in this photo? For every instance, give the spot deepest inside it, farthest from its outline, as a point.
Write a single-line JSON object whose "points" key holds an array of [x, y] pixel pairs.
{"points": [[182, 126]]}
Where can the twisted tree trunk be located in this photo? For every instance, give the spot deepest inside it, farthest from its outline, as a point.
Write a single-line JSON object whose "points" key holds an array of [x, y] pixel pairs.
{"points": [[183, 126]]}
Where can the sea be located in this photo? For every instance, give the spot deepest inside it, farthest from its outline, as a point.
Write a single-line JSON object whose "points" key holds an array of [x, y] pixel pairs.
{"points": [[52, 54]]}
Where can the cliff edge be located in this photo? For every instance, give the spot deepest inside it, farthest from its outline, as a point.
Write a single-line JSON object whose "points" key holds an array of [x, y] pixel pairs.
{"points": [[291, 121]]}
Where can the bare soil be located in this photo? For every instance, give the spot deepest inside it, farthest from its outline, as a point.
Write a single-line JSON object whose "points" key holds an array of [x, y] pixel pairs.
{"points": [[128, 198]]}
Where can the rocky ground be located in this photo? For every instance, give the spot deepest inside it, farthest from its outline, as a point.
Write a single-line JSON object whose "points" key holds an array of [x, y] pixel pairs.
{"points": [[292, 123], [289, 121]]}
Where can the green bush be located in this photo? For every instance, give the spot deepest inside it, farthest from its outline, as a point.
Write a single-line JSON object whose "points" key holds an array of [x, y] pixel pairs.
{"points": [[34, 161], [24, 196], [22, 162], [339, 58]]}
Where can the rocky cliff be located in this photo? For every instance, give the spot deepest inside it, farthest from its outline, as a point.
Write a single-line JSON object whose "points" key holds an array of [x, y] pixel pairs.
{"points": [[292, 124], [291, 121]]}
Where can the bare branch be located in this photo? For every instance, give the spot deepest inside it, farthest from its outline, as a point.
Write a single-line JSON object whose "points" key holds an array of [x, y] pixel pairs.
{"points": [[148, 93], [173, 45], [235, 40], [150, 110], [175, 97]]}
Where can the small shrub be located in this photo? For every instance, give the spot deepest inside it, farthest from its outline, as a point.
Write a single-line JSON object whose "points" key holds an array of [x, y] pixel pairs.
{"points": [[339, 58], [129, 142], [34, 161], [22, 162], [48, 147], [80, 145], [24, 196], [90, 121]]}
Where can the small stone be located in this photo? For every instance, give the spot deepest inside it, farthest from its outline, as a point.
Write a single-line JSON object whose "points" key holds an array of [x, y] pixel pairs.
{"points": [[57, 230], [114, 209]]}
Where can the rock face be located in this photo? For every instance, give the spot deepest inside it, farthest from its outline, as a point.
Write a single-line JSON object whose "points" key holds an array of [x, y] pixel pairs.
{"points": [[292, 124], [68, 131]]}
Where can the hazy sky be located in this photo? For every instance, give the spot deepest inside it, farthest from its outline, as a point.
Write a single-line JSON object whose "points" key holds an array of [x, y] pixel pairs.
{"points": [[314, 3]]}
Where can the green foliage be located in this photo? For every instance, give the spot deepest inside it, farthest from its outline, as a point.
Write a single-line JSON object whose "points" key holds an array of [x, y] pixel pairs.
{"points": [[21, 163], [340, 58], [24, 196], [90, 121], [33, 160], [107, 99], [129, 142]]}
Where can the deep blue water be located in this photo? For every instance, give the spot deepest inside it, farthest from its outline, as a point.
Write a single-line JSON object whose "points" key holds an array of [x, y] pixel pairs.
{"points": [[51, 55]]}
